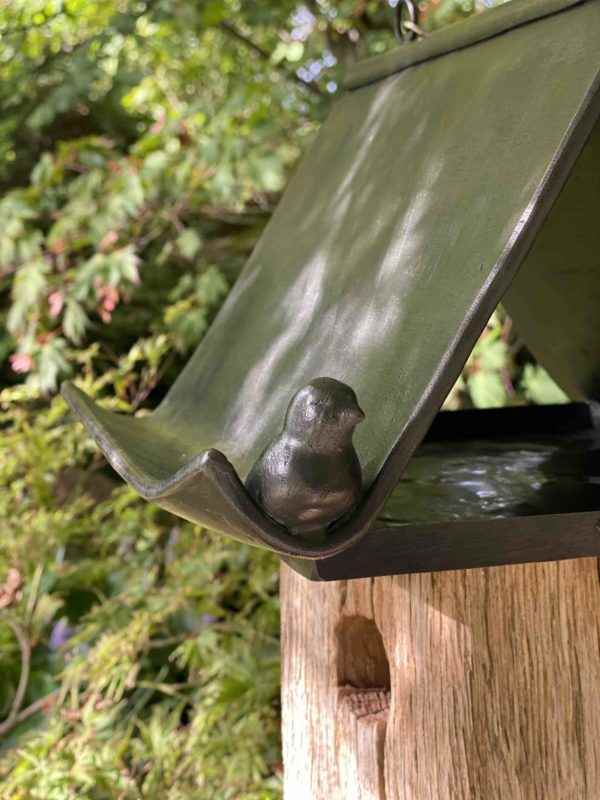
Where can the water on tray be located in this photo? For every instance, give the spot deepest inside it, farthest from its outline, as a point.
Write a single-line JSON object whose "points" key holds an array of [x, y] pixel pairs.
{"points": [[454, 480]]}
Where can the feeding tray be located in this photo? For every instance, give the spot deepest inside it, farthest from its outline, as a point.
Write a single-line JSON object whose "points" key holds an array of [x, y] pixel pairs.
{"points": [[502, 486], [451, 174]]}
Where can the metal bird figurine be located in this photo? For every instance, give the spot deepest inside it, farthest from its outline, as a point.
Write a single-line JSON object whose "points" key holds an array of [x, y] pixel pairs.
{"points": [[309, 475]]}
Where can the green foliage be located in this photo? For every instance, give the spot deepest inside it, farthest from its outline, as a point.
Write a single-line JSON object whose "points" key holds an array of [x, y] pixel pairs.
{"points": [[168, 684], [539, 387], [436, 14], [143, 146], [501, 372]]}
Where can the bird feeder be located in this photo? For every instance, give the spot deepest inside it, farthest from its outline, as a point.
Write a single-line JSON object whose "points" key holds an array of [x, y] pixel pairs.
{"points": [[458, 171]]}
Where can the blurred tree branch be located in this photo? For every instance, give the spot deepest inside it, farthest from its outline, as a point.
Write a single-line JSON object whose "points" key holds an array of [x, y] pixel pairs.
{"points": [[236, 34], [25, 647]]}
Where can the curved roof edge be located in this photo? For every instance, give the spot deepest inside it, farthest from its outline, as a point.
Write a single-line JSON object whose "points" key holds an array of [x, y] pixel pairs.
{"points": [[216, 496], [455, 37]]}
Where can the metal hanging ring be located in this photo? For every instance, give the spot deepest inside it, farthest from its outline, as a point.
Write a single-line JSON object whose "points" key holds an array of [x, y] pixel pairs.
{"points": [[405, 21]]}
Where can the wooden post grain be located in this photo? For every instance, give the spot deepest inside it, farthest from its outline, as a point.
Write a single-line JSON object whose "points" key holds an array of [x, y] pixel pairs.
{"points": [[469, 685]]}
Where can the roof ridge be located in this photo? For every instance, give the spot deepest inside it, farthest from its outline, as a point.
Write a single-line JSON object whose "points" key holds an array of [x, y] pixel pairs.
{"points": [[457, 36]]}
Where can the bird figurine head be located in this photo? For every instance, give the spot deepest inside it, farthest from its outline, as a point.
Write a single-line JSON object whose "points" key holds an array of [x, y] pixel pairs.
{"points": [[323, 413]]}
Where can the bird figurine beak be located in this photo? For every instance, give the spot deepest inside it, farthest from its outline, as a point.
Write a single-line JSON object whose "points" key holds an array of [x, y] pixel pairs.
{"points": [[358, 415]]}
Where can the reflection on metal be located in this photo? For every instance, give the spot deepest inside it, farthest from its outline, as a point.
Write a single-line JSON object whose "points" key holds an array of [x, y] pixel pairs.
{"points": [[447, 167]]}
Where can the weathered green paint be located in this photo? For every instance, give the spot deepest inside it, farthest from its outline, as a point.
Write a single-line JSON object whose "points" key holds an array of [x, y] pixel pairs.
{"points": [[401, 231]]}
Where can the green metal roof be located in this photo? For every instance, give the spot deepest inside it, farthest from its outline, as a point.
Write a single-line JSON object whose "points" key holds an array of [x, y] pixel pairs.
{"points": [[402, 229]]}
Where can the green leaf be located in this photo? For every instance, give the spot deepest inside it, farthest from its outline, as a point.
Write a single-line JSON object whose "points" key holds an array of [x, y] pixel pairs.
{"points": [[188, 243], [492, 354], [155, 163], [29, 286], [213, 12], [43, 170], [52, 365], [487, 389], [539, 386], [124, 265], [74, 321]]}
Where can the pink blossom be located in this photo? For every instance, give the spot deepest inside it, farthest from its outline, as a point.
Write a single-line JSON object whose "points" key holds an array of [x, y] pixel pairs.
{"points": [[159, 124], [56, 302], [108, 240], [109, 299], [21, 362]]}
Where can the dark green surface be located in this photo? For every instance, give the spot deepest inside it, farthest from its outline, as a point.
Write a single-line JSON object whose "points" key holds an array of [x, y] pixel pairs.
{"points": [[394, 242], [555, 299]]}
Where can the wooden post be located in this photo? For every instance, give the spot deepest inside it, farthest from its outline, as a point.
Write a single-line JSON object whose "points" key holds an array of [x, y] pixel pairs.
{"points": [[470, 685]]}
